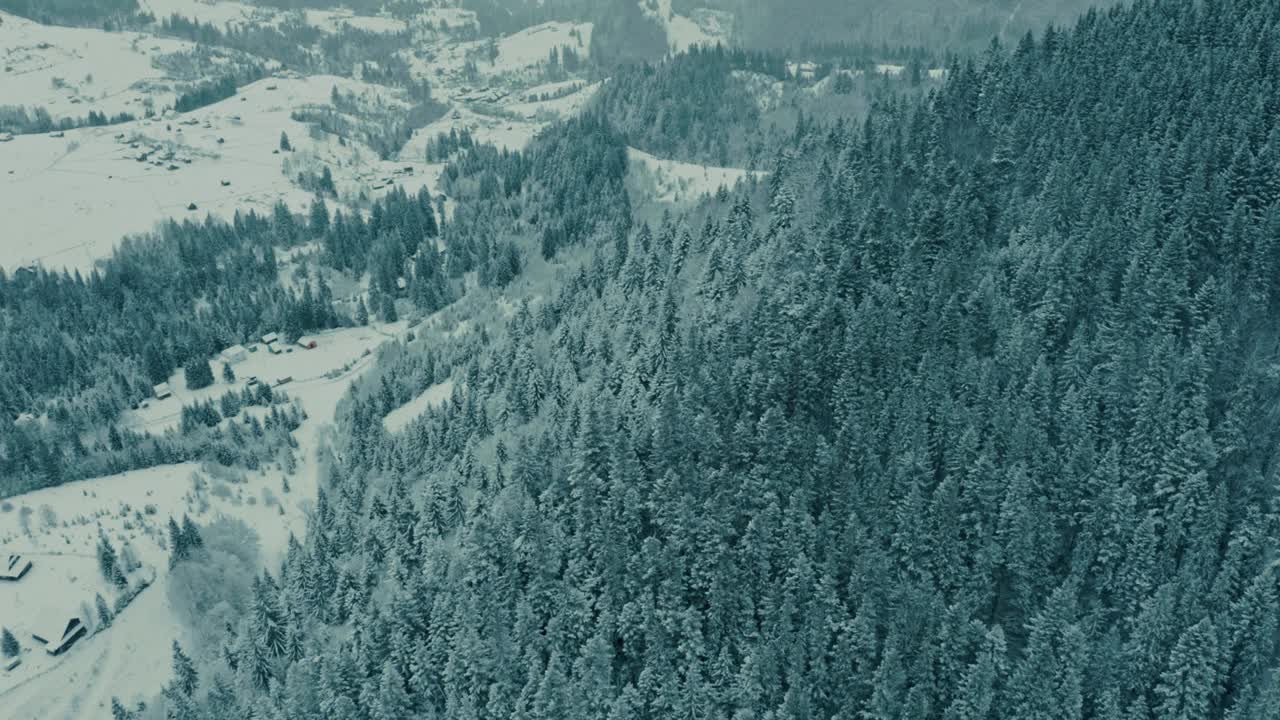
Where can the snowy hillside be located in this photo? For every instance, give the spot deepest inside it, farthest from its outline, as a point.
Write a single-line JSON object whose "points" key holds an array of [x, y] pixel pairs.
{"points": [[679, 183], [70, 71], [706, 27], [132, 657], [76, 195]]}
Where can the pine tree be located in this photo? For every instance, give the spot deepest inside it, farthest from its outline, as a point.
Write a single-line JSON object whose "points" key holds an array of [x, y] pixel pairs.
{"points": [[184, 671], [319, 214], [9, 644], [387, 311], [191, 535], [1190, 683], [393, 700], [198, 374], [362, 313], [108, 561], [178, 549], [104, 612], [228, 375], [284, 142]]}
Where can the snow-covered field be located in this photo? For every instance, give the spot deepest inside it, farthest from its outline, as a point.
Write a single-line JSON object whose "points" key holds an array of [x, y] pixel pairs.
{"points": [[332, 21], [132, 658], [75, 197], [555, 107], [434, 396], [706, 27], [503, 132], [444, 63], [533, 45], [678, 183], [70, 71]]}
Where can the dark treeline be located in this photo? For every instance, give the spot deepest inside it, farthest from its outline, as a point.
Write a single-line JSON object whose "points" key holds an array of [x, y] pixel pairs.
{"points": [[967, 412], [21, 120], [101, 13], [213, 91]]}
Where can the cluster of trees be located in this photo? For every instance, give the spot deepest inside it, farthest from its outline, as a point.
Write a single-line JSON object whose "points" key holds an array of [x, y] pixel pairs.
{"points": [[184, 540], [213, 91], [114, 566], [104, 13], [623, 34], [21, 120], [965, 412], [691, 107], [209, 413]]}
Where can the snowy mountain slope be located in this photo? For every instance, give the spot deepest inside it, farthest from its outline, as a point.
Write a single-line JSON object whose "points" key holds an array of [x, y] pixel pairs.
{"points": [[679, 183], [75, 196], [707, 27], [70, 71], [132, 658]]}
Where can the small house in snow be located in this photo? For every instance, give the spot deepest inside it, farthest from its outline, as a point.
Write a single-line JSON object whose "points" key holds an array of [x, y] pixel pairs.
{"points": [[270, 338], [234, 354], [162, 391], [14, 568], [59, 631], [308, 342]]}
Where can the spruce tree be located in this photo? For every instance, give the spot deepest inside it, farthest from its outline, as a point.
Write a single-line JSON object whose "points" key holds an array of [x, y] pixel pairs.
{"points": [[104, 613], [198, 374], [9, 644], [178, 549], [184, 671], [191, 535], [108, 560]]}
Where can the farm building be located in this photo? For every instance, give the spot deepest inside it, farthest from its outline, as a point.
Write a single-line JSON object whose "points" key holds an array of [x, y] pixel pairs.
{"points": [[234, 354], [307, 342], [14, 568], [59, 631], [162, 391]]}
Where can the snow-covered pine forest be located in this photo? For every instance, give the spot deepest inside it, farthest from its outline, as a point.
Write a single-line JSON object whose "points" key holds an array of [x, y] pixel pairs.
{"points": [[809, 379]]}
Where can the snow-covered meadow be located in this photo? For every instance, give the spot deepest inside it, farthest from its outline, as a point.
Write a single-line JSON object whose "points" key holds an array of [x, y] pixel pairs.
{"points": [[71, 197]]}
